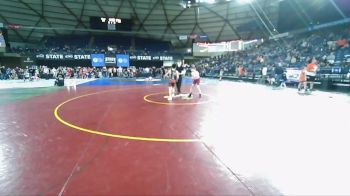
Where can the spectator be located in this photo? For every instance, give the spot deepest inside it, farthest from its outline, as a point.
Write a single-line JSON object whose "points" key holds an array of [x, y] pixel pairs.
{"points": [[331, 58], [342, 42]]}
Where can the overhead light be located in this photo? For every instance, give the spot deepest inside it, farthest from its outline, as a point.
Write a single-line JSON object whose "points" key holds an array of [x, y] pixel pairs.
{"points": [[207, 1], [245, 1], [188, 3], [183, 4]]}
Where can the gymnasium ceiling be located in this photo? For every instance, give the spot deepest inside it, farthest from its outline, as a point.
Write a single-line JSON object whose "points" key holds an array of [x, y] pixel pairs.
{"points": [[160, 19]]}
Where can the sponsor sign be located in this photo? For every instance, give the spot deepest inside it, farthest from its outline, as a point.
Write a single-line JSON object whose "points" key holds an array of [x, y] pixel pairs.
{"points": [[149, 58], [183, 37], [63, 56], [293, 75], [123, 60], [108, 59], [28, 60], [98, 60]]}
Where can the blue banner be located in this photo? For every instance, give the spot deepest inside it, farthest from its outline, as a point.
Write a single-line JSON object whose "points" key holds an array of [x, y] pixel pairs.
{"points": [[123, 60], [98, 60]]}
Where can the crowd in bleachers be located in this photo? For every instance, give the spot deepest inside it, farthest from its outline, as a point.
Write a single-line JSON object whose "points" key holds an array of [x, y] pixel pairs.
{"points": [[77, 50], [108, 45], [330, 48], [44, 72]]}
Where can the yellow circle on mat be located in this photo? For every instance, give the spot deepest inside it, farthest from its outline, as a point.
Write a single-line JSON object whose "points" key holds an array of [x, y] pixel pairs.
{"points": [[150, 139], [147, 99]]}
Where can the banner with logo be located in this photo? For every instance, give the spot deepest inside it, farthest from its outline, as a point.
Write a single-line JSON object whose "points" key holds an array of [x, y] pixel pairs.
{"points": [[293, 74], [63, 56], [151, 58], [28, 61], [183, 37], [109, 60], [123, 60], [98, 60]]}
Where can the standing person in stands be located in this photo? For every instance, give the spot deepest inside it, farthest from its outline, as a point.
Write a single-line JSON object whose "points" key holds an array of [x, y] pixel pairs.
{"points": [[279, 75], [2, 72], [245, 70], [260, 59], [263, 74], [221, 73], [60, 78], [173, 77], [302, 80], [163, 72], [154, 72], [284, 80], [196, 81], [311, 73], [181, 71], [240, 71], [120, 72], [114, 72], [271, 76]]}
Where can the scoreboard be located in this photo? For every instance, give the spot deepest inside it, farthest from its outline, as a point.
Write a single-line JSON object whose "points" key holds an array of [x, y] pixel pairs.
{"points": [[209, 49], [111, 24]]}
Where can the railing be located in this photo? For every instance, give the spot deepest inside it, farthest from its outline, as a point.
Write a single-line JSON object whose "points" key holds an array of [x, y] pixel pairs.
{"points": [[335, 82]]}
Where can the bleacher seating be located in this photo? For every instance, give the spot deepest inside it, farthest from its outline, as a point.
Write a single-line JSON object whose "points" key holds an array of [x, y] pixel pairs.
{"points": [[291, 52]]}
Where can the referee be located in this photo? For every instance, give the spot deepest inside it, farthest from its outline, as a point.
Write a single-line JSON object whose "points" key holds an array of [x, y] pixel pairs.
{"points": [[180, 70]]}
